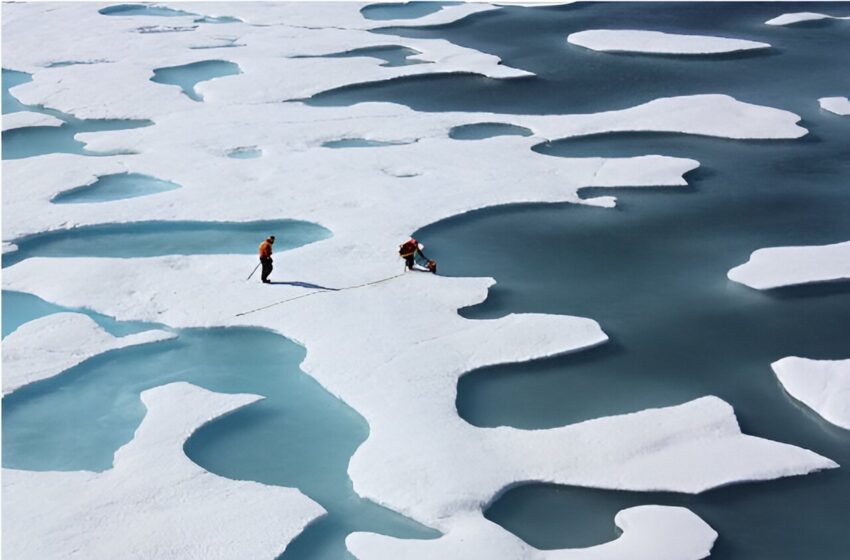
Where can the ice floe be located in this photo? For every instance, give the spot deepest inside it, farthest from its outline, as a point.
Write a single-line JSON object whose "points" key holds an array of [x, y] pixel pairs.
{"points": [[775, 267], [48, 346], [154, 502], [800, 17], [822, 385], [648, 533], [657, 42], [23, 119], [837, 105]]}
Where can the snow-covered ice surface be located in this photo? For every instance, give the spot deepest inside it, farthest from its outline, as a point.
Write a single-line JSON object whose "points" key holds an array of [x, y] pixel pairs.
{"points": [[800, 17], [23, 119], [155, 502], [48, 346], [396, 365], [657, 42], [649, 533], [837, 105], [775, 267], [822, 385]]}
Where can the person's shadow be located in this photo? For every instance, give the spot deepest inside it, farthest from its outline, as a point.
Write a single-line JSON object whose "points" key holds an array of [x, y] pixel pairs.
{"points": [[305, 285]]}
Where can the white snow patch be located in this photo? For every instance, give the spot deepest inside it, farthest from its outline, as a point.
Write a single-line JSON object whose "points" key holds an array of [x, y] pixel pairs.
{"points": [[24, 119], [155, 502], [649, 533], [837, 105], [47, 346], [776, 267], [799, 17], [822, 385], [657, 42]]}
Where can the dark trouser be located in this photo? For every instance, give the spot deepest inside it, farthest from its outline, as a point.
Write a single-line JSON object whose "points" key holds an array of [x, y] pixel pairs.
{"points": [[410, 261], [267, 269]]}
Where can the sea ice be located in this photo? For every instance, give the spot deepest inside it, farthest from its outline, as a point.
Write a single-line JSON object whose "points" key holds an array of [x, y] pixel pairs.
{"points": [[799, 17], [154, 502], [657, 42], [648, 533], [48, 346], [421, 459], [23, 119], [776, 267], [395, 363], [822, 385], [837, 105]]}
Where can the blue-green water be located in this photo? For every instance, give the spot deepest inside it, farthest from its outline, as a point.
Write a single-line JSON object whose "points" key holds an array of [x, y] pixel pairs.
{"points": [[392, 55], [115, 187], [360, 143], [39, 140], [142, 10], [12, 78], [19, 308], [245, 153], [151, 239], [402, 10], [218, 19], [482, 131], [298, 436], [188, 76]]}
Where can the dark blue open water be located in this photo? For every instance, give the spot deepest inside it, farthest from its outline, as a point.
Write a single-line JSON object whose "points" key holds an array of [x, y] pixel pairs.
{"points": [[653, 270]]}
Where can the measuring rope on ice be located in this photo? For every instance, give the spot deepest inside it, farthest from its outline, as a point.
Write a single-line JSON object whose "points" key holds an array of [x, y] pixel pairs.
{"points": [[408, 250]]}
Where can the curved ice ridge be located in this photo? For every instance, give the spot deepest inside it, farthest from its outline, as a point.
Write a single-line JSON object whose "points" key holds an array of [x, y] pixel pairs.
{"points": [[46, 347], [649, 533], [776, 267], [822, 385], [657, 42], [155, 502], [799, 17]]}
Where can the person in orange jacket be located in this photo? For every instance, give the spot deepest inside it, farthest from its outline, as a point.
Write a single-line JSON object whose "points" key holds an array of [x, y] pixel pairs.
{"points": [[266, 258], [408, 251]]}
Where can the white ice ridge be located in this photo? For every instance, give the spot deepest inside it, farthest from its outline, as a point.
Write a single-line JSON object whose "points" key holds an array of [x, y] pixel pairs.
{"points": [[649, 533], [775, 267], [47, 346], [837, 105], [822, 385], [657, 42], [799, 17], [23, 119], [154, 503]]}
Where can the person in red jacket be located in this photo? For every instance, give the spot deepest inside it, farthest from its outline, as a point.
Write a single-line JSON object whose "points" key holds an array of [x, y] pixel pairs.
{"points": [[266, 258], [408, 251]]}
